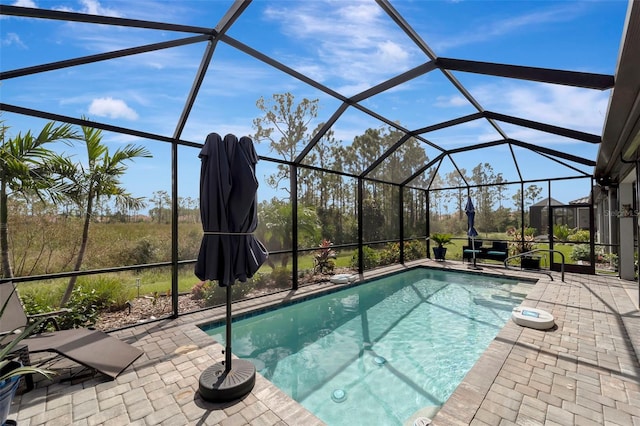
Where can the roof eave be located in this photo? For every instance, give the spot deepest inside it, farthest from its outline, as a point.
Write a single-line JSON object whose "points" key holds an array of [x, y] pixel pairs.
{"points": [[622, 122]]}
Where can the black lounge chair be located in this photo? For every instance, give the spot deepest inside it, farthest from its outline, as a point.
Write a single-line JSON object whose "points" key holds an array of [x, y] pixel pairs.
{"points": [[93, 349]]}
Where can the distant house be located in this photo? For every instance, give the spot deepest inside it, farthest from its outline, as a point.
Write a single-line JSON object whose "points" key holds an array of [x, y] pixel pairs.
{"points": [[574, 215], [582, 212], [539, 215]]}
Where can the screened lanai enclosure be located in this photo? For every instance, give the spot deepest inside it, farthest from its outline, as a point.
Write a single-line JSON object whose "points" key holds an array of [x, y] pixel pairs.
{"points": [[374, 122]]}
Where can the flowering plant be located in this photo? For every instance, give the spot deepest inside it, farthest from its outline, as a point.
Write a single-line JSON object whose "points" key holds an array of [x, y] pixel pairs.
{"points": [[521, 243], [323, 258]]}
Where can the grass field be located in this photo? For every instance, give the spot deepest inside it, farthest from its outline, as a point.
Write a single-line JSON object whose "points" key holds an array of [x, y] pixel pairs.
{"points": [[148, 282]]}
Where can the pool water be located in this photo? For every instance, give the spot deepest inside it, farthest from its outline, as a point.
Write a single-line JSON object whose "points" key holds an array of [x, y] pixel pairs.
{"points": [[377, 353]]}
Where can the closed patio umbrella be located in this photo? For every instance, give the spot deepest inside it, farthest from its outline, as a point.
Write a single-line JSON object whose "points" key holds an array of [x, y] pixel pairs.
{"points": [[471, 230], [229, 251]]}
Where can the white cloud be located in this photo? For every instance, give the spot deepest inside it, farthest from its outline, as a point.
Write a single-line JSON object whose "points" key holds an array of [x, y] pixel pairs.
{"points": [[92, 7], [499, 28], [12, 39], [570, 107], [112, 108], [25, 3], [451, 101], [351, 41], [391, 51]]}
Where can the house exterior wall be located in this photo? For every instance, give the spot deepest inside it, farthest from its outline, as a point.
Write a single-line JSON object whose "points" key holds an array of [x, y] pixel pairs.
{"points": [[626, 224]]}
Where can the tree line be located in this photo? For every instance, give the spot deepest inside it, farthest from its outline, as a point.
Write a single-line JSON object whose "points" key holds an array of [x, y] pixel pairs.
{"points": [[327, 202]]}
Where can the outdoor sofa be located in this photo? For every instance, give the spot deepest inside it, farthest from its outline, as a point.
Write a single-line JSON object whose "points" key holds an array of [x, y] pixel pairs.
{"points": [[498, 251]]}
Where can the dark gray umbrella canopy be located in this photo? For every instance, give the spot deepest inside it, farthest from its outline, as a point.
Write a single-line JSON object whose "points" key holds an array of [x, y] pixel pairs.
{"points": [[471, 214], [228, 208]]}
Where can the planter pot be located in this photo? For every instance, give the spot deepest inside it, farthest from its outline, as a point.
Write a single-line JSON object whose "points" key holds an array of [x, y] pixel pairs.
{"points": [[530, 262], [439, 252], [7, 391]]}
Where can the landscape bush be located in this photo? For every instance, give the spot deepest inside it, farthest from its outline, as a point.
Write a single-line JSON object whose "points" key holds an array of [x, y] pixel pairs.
{"points": [[371, 258], [561, 232], [91, 296], [214, 295], [414, 250], [580, 252], [580, 236], [389, 255]]}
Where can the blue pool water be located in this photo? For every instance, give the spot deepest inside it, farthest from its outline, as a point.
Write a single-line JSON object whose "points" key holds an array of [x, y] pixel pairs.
{"points": [[377, 353]]}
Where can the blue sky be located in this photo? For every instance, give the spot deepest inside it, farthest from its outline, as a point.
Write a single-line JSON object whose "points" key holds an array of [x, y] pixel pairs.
{"points": [[348, 46]]}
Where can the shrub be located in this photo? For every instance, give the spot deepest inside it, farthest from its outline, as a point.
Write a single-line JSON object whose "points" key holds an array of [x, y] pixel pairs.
{"points": [[111, 292], [214, 295], [581, 236], [580, 252], [40, 299], [84, 306], [281, 277], [90, 296], [414, 250], [389, 255], [561, 232], [143, 252], [260, 281], [35, 305], [371, 258], [612, 259], [200, 290]]}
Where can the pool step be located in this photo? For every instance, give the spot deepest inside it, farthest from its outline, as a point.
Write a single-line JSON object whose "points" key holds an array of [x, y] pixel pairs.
{"points": [[522, 289], [428, 412]]}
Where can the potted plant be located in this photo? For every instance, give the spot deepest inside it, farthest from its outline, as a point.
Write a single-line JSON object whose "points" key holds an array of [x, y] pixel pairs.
{"points": [[10, 370], [440, 239]]}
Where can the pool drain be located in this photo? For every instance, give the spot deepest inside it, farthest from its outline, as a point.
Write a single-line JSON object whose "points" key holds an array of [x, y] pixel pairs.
{"points": [[338, 395], [379, 361]]}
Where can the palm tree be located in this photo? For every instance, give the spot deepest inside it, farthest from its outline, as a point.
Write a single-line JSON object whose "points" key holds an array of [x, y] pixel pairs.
{"points": [[99, 179], [24, 170]]}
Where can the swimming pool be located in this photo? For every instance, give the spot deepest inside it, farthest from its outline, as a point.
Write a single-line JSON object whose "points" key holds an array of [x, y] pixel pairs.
{"points": [[380, 352]]}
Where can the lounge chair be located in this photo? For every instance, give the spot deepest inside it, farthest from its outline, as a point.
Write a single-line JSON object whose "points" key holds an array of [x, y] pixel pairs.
{"points": [[91, 348]]}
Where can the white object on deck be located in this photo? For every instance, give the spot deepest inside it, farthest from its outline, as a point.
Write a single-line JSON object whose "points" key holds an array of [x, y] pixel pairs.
{"points": [[343, 278], [532, 318]]}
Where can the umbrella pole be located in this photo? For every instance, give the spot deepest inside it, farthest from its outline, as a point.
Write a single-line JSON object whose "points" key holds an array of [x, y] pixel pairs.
{"points": [[220, 382], [473, 250], [227, 351]]}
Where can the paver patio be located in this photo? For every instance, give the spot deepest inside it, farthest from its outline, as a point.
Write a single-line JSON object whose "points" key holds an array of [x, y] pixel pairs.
{"points": [[584, 372]]}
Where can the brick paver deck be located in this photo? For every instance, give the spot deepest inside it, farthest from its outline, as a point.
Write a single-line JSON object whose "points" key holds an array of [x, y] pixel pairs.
{"points": [[584, 372]]}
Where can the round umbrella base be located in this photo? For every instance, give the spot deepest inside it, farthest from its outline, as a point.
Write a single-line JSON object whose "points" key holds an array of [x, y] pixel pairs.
{"points": [[218, 386]]}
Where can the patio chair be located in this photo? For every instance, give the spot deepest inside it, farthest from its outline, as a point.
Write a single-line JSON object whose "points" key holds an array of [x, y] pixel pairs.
{"points": [[91, 348]]}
